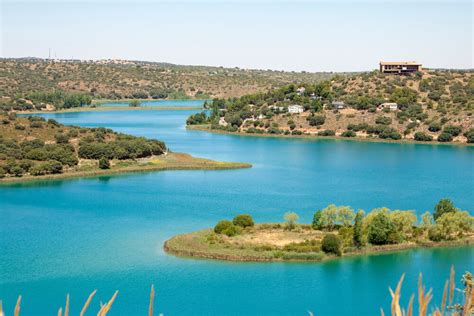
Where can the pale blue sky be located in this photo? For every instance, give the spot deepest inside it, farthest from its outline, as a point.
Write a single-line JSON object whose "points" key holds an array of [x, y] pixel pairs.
{"points": [[306, 35]]}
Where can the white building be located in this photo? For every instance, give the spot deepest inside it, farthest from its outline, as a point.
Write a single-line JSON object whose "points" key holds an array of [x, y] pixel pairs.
{"points": [[338, 105], [301, 90], [390, 105], [295, 108]]}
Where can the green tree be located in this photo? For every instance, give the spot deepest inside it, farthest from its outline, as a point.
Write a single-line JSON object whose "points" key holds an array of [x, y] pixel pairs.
{"points": [[345, 215], [443, 206], [404, 222], [380, 229], [331, 243], [316, 224], [455, 224], [329, 217], [104, 163], [222, 225], [291, 218], [357, 236], [243, 220]]}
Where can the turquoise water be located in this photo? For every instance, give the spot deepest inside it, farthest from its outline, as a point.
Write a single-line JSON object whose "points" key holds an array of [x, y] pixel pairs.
{"points": [[184, 103], [107, 233]]}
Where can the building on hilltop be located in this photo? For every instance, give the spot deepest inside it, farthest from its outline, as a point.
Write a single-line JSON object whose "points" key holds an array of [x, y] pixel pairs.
{"points": [[402, 67], [389, 105]]}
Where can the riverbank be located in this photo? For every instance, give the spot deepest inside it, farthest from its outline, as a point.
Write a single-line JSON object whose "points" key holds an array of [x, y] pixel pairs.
{"points": [[270, 242], [207, 128], [171, 161]]}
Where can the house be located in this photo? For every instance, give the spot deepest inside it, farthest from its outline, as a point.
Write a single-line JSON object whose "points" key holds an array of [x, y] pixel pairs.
{"points": [[389, 105], [222, 122], [277, 108], [399, 67], [261, 117], [301, 90], [295, 108], [338, 105]]}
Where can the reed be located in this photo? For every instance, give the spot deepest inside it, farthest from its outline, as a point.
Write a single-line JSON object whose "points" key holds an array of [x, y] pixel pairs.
{"points": [[17, 307], [152, 298], [86, 304]]}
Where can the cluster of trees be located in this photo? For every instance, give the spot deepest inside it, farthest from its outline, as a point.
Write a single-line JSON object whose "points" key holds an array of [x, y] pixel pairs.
{"points": [[234, 227], [61, 99], [381, 130], [123, 147], [38, 157]]}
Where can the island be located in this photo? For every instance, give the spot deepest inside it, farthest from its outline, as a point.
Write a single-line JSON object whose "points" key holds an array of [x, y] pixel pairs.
{"points": [[336, 231], [429, 106], [33, 148]]}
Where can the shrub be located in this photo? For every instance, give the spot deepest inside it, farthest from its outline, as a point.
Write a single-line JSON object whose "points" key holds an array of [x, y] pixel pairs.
{"points": [[435, 233], [423, 137], [104, 163], [19, 126], [453, 130], [434, 127], [316, 224], [348, 134], [380, 229], [36, 124], [469, 135], [243, 220], [221, 226], [316, 120], [291, 218], [134, 103], [328, 132], [445, 137], [332, 244], [232, 230], [384, 120], [61, 138], [17, 171]]}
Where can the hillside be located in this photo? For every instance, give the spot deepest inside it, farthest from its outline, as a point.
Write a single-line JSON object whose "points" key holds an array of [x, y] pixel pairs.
{"points": [[26, 79], [425, 106], [35, 148]]}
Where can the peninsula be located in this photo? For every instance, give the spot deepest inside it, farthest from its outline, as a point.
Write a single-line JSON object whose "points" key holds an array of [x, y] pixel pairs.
{"points": [[336, 231], [423, 106], [33, 148]]}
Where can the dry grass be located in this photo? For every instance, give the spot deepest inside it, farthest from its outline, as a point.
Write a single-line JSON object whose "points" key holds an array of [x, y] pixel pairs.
{"points": [[425, 298]]}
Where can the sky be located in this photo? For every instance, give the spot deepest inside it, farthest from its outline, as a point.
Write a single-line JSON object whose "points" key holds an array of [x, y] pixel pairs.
{"points": [[338, 35]]}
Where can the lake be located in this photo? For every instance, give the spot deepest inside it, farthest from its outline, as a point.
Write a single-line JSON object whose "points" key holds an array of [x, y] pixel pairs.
{"points": [[165, 103], [106, 233]]}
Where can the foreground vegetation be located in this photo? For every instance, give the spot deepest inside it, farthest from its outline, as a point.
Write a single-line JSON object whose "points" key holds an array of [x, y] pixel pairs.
{"points": [[455, 301], [335, 231], [430, 106], [35, 148], [36, 84]]}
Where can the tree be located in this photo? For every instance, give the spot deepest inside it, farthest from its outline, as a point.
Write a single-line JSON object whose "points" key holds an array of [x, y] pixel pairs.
{"points": [[134, 103], [426, 220], [331, 243], [404, 222], [316, 224], [423, 137], [443, 206], [104, 163], [291, 218], [345, 215], [329, 217], [221, 226], [455, 224], [445, 137], [243, 220], [380, 229], [357, 237], [61, 138]]}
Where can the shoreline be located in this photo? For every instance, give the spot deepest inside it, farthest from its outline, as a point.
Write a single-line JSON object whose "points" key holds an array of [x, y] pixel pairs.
{"points": [[182, 162], [193, 253], [206, 128], [113, 108]]}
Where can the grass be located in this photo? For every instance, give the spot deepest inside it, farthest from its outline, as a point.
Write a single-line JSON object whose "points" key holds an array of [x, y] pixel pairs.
{"points": [[272, 242], [171, 161]]}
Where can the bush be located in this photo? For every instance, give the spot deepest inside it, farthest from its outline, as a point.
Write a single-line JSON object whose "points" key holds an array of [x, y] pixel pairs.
{"points": [[17, 171], [332, 244], [453, 130], [61, 138], [435, 233], [445, 137], [423, 137], [470, 135], [348, 134], [36, 124], [243, 220], [316, 120], [19, 127], [104, 163], [134, 103], [328, 132], [380, 229], [384, 120], [434, 127], [222, 225]]}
